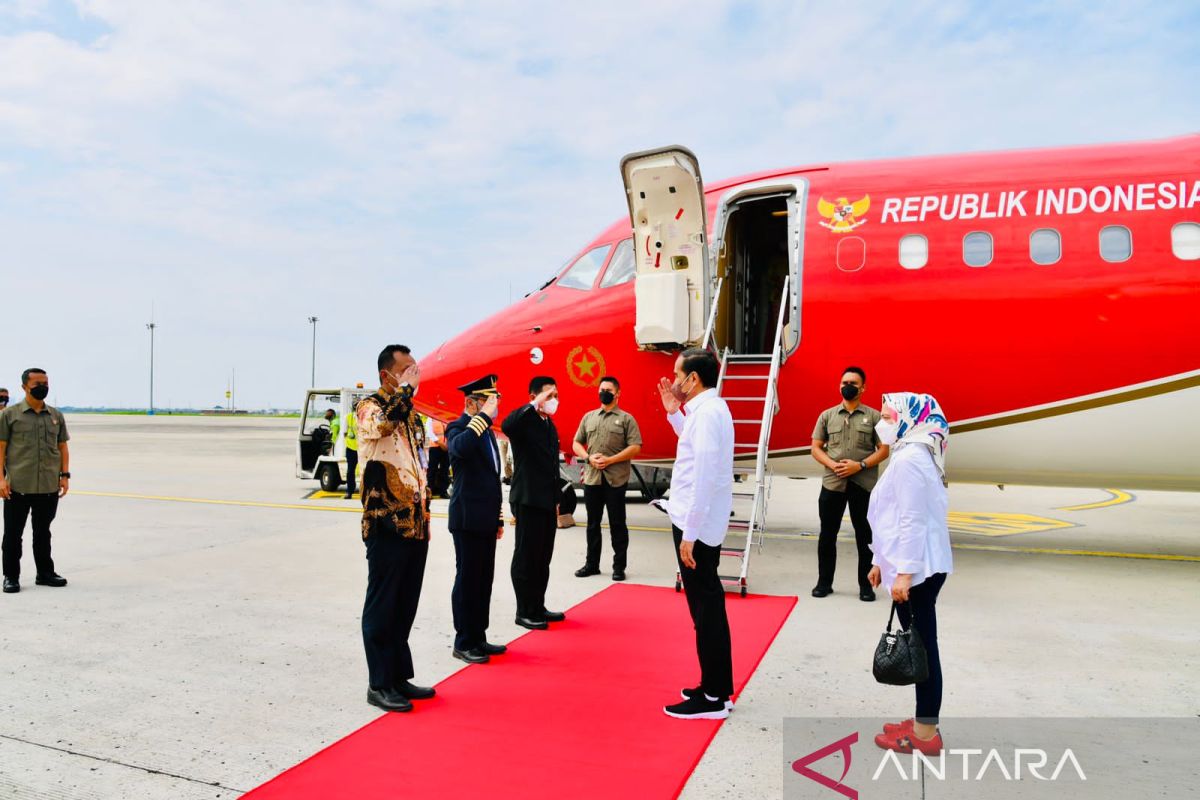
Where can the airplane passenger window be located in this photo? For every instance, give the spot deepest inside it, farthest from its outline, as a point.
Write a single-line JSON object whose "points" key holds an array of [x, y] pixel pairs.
{"points": [[622, 268], [851, 254], [977, 249], [1045, 246], [1185, 241], [1116, 243], [582, 274], [914, 251]]}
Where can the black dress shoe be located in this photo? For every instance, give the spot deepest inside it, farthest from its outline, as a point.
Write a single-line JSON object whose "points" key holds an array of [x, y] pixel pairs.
{"points": [[51, 579], [618, 574], [586, 571], [866, 595], [554, 616], [411, 691], [532, 624], [388, 700], [11, 585], [494, 649], [821, 591], [473, 656]]}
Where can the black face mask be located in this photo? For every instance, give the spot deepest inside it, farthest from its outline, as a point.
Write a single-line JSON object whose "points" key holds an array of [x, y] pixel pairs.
{"points": [[849, 392], [40, 392], [606, 397], [3, 401]]}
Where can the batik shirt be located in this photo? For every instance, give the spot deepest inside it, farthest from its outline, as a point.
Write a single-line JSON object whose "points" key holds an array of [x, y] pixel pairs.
{"points": [[391, 439]]}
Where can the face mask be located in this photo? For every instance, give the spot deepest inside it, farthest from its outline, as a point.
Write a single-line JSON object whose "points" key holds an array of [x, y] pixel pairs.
{"points": [[40, 392], [887, 431], [849, 392], [550, 406], [606, 398]]}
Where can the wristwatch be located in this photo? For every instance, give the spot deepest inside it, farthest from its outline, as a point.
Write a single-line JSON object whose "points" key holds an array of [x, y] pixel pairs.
{"points": [[64, 475], [863, 464]]}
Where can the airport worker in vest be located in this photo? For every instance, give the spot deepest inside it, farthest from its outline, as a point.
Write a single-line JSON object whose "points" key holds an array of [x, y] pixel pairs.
{"points": [[351, 454], [912, 554], [476, 518], [608, 440], [395, 528], [846, 444]]}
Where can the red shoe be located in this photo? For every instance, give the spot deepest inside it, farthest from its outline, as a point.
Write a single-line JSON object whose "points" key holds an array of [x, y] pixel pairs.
{"points": [[907, 742], [892, 728]]}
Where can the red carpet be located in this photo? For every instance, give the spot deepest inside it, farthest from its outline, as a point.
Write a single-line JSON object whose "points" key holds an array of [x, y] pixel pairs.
{"points": [[574, 712]]}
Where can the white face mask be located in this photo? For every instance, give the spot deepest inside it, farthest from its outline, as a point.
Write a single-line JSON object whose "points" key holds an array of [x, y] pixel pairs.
{"points": [[550, 406], [887, 431]]}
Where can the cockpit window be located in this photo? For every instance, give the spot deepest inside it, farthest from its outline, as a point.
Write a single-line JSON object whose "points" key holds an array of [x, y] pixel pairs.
{"points": [[582, 274], [621, 269]]}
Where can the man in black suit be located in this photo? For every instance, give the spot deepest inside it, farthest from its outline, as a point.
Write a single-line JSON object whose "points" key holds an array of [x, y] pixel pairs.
{"points": [[534, 500], [476, 518]]}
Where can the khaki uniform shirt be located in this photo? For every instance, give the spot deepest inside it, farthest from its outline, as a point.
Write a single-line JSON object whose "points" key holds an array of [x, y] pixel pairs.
{"points": [[849, 435], [33, 460], [608, 433]]}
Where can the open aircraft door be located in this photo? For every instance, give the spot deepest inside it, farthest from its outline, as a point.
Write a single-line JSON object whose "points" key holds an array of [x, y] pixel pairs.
{"points": [[666, 210]]}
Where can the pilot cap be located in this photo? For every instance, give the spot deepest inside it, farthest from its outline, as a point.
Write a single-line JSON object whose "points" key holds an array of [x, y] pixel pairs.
{"points": [[485, 386]]}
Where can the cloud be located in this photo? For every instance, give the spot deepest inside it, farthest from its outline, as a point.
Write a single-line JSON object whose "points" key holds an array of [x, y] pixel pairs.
{"points": [[396, 168]]}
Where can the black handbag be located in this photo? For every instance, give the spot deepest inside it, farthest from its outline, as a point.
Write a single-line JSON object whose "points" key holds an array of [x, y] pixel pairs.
{"points": [[900, 658]]}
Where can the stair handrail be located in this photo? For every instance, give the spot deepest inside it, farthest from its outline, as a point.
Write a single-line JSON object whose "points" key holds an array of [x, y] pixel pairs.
{"points": [[771, 404], [712, 313]]}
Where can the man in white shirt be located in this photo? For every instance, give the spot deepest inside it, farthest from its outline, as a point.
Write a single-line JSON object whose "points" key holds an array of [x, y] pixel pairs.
{"points": [[701, 501]]}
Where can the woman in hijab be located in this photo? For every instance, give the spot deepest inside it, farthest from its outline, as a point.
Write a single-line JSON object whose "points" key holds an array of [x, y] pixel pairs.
{"points": [[912, 546]]}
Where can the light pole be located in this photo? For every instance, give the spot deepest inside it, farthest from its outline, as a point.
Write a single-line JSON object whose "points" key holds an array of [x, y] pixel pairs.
{"points": [[150, 326], [313, 380]]}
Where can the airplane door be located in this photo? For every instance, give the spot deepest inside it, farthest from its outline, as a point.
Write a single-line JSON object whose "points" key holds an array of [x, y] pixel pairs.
{"points": [[666, 210]]}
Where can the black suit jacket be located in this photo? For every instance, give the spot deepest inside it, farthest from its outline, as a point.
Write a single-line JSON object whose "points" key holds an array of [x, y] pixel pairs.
{"points": [[535, 458], [476, 503]]}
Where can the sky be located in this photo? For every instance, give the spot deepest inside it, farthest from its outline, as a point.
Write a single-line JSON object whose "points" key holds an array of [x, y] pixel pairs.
{"points": [[401, 170]]}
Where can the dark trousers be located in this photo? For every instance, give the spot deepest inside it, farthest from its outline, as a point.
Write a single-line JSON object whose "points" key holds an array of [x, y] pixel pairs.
{"points": [[438, 474], [351, 469], [534, 548], [395, 571], [921, 607], [706, 602], [597, 499], [17, 509], [475, 562], [832, 506]]}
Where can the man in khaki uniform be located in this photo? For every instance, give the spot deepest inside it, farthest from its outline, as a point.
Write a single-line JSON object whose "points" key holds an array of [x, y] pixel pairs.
{"points": [[34, 474], [846, 444], [608, 439]]}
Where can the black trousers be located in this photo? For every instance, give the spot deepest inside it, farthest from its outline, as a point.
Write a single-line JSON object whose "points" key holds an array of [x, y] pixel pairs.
{"points": [[534, 548], [921, 607], [706, 602], [351, 469], [832, 506], [395, 571], [438, 474], [471, 598], [17, 509], [597, 499]]}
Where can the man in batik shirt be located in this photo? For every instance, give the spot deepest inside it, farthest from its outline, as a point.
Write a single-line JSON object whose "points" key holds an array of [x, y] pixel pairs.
{"points": [[395, 527]]}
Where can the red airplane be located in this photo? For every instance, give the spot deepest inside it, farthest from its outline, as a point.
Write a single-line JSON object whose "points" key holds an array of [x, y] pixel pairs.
{"points": [[1048, 298]]}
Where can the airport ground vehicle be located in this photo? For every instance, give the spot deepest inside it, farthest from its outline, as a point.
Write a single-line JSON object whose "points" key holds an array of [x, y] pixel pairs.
{"points": [[317, 457]]}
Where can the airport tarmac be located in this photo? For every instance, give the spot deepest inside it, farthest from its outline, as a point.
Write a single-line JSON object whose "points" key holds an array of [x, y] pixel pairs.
{"points": [[209, 637]]}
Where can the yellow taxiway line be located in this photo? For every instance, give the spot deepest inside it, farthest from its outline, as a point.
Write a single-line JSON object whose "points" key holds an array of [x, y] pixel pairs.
{"points": [[1056, 551], [1117, 498]]}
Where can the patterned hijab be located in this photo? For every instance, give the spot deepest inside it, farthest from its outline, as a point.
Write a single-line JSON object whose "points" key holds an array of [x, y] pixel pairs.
{"points": [[921, 422]]}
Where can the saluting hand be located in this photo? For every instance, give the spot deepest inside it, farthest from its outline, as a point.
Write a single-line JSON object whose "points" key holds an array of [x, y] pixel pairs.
{"points": [[411, 376], [541, 399], [491, 406], [670, 400]]}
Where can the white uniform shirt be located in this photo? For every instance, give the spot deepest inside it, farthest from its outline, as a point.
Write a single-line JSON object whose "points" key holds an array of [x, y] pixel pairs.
{"points": [[702, 480], [908, 518]]}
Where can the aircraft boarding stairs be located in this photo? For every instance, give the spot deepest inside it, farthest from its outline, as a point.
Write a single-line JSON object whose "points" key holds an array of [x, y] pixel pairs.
{"points": [[749, 384]]}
